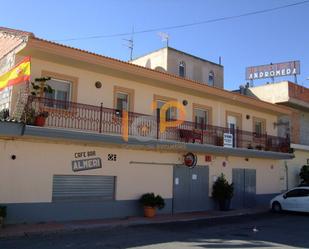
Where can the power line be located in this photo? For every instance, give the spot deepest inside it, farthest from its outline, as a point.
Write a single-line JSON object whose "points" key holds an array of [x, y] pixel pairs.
{"points": [[188, 24]]}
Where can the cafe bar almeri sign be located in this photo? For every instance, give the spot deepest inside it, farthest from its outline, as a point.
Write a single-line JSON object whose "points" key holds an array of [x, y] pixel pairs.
{"points": [[86, 160], [273, 70]]}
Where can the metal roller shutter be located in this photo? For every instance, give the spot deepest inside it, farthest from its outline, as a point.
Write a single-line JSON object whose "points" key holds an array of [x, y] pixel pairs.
{"points": [[83, 187]]}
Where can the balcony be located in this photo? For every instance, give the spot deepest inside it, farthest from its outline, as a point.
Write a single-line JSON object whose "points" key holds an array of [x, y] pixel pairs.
{"points": [[98, 119]]}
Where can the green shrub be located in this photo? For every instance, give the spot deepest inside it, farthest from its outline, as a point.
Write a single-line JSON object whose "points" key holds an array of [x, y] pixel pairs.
{"points": [[222, 190], [151, 200], [4, 113], [304, 174]]}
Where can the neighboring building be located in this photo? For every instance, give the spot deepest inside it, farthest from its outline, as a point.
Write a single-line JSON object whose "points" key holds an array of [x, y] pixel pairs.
{"points": [[80, 165], [294, 96], [183, 65]]}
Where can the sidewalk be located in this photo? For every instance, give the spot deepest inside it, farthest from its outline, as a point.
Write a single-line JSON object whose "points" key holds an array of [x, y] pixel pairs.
{"points": [[55, 227]]}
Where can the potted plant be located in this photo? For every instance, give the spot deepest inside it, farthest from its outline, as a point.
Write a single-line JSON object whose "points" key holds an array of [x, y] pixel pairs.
{"points": [[222, 192], [39, 86], [41, 118], [29, 116], [259, 147], [150, 202], [2, 215], [219, 140], [4, 114]]}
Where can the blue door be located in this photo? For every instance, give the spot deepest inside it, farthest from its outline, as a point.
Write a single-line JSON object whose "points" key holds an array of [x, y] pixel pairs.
{"points": [[191, 189]]}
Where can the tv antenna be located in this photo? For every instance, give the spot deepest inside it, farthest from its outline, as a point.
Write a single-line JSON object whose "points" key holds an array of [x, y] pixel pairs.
{"points": [[164, 37], [130, 44]]}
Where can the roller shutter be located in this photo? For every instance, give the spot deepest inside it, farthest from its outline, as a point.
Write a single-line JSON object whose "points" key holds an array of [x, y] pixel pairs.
{"points": [[83, 188]]}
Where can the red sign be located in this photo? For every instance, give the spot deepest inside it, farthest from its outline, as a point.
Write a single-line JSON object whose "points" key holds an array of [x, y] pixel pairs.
{"points": [[207, 158], [190, 159]]}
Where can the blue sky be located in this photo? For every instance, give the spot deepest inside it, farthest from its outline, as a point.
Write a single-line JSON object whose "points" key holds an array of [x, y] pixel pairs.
{"points": [[277, 36]]}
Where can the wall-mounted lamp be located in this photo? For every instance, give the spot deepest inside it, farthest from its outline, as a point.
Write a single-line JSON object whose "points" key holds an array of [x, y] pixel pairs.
{"points": [[98, 84], [185, 102]]}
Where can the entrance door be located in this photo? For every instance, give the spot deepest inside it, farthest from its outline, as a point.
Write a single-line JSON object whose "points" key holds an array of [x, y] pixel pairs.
{"points": [[244, 188], [191, 189], [232, 125]]}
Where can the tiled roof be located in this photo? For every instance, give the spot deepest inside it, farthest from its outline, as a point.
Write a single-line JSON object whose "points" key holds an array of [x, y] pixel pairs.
{"points": [[124, 62], [15, 32], [10, 39]]}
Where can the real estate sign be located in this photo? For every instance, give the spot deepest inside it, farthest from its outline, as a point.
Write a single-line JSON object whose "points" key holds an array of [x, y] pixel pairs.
{"points": [[228, 140]]}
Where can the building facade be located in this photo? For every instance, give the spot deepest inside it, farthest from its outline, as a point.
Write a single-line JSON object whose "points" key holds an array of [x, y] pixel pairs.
{"points": [[116, 130], [183, 65], [294, 96]]}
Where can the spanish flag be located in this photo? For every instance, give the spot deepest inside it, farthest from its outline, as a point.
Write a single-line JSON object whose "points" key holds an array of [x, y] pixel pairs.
{"points": [[19, 74]]}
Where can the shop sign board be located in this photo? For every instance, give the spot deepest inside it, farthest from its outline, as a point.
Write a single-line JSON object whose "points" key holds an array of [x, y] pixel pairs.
{"points": [[273, 70]]}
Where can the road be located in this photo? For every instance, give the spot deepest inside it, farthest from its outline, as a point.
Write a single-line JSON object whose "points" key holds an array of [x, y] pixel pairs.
{"points": [[254, 231]]}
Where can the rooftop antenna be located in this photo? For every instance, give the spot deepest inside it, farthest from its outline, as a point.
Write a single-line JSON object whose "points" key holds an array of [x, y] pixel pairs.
{"points": [[164, 37], [130, 44]]}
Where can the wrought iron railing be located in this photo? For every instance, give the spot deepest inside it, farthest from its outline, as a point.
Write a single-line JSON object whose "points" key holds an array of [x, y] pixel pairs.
{"points": [[89, 118]]}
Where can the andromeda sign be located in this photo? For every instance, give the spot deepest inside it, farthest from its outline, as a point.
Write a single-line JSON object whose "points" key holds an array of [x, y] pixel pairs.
{"points": [[273, 70]]}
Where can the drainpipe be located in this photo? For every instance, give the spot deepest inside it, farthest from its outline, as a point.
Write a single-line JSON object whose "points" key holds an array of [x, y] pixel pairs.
{"points": [[286, 174]]}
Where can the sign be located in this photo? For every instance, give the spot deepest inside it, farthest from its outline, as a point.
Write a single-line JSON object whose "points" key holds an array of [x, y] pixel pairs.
{"points": [[273, 70], [176, 181], [190, 159], [194, 177], [86, 164], [207, 158], [228, 140]]}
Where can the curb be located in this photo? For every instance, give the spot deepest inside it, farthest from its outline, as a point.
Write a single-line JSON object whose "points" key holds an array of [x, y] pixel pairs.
{"points": [[67, 227]]}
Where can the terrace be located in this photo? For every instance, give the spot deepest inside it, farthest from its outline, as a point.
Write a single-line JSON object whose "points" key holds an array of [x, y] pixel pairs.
{"points": [[99, 119]]}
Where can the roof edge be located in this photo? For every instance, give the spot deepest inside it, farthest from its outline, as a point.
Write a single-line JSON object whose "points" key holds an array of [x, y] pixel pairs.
{"points": [[39, 43]]}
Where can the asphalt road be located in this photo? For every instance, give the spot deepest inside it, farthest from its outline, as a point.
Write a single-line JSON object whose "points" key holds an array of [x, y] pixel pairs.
{"points": [[254, 231]]}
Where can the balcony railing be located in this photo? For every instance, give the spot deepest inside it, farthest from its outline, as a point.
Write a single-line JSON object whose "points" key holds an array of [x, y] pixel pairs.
{"points": [[89, 118]]}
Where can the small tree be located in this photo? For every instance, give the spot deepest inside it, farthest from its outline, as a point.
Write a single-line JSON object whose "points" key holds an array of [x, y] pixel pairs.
{"points": [[39, 86], [222, 192], [304, 174]]}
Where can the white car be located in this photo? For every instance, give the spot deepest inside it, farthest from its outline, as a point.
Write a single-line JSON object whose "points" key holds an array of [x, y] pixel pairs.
{"points": [[296, 199]]}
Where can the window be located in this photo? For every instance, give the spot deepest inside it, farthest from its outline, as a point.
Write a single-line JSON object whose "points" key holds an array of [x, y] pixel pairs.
{"points": [[293, 193], [182, 69], [211, 78], [61, 93], [171, 113], [122, 101], [304, 192], [123, 98], [259, 126], [200, 117]]}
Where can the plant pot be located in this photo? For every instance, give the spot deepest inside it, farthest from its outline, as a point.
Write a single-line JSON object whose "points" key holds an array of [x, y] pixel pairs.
{"points": [[224, 205], [40, 121], [149, 212]]}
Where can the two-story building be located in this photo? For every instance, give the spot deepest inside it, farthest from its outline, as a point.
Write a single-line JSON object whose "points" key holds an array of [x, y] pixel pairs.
{"points": [[183, 65], [294, 96], [103, 143]]}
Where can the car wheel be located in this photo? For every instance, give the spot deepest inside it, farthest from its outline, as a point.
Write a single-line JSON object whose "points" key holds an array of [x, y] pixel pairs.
{"points": [[276, 207]]}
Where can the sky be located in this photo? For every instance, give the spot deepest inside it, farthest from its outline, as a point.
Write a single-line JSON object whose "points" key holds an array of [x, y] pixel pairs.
{"points": [[276, 36]]}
